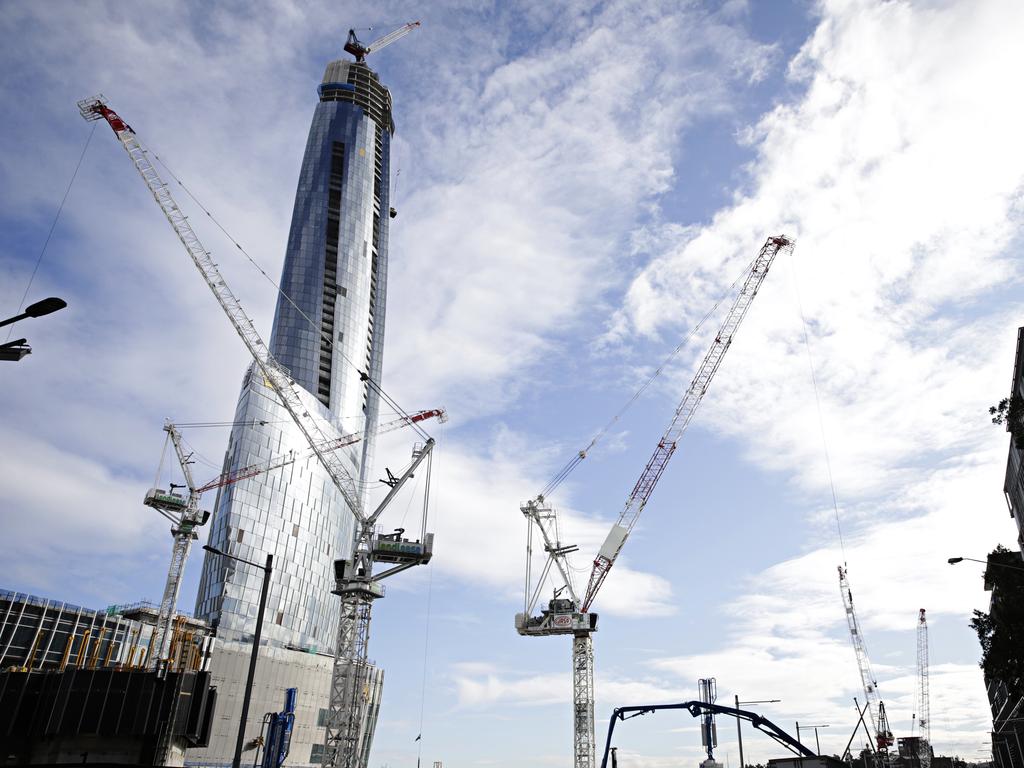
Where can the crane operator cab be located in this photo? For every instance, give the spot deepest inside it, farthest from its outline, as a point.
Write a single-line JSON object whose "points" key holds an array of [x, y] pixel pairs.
{"points": [[561, 617], [167, 501], [394, 548]]}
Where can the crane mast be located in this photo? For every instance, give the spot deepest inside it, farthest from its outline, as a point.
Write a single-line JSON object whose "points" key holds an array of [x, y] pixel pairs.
{"points": [[923, 704], [875, 706], [571, 615], [355, 582], [185, 516]]}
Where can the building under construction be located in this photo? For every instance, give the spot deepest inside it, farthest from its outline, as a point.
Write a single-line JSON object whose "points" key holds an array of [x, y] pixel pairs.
{"points": [[77, 685]]}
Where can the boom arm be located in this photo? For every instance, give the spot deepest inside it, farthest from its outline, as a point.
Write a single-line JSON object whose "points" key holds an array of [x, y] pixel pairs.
{"points": [[696, 709], [681, 420], [876, 710], [252, 470], [282, 384], [360, 51]]}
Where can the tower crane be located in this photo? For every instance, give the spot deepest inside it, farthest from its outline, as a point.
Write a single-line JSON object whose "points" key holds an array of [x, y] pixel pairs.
{"points": [[875, 705], [923, 705], [185, 515], [355, 581], [569, 613], [360, 51]]}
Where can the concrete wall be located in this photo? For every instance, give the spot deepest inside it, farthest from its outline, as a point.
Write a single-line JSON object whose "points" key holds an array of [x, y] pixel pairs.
{"points": [[276, 670]]}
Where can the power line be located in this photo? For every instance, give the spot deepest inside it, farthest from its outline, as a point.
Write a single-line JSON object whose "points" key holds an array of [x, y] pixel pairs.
{"points": [[53, 226], [576, 460], [817, 402]]}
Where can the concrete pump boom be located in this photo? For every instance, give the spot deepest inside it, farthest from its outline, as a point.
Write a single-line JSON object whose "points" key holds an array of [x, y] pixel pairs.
{"points": [[569, 615]]}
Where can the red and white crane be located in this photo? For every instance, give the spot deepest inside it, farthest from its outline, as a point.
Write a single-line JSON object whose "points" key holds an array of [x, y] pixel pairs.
{"points": [[185, 515], [875, 705], [357, 584], [252, 470], [570, 614], [360, 51]]}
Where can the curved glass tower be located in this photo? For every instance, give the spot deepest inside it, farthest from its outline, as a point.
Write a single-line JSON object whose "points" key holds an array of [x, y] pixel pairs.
{"points": [[335, 272]]}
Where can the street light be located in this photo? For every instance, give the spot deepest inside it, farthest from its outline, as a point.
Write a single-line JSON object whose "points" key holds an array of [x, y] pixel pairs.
{"points": [[17, 349], [955, 560], [817, 743], [739, 722], [237, 760]]}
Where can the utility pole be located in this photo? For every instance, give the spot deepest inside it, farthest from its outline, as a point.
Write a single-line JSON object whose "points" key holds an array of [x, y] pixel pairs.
{"points": [[739, 722]]}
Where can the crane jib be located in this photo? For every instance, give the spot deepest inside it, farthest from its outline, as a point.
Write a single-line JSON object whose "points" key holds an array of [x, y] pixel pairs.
{"points": [[687, 407]]}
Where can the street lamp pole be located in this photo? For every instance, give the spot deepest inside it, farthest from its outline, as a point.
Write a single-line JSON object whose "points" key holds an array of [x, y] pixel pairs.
{"points": [[817, 742], [739, 722], [955, 560], [237, 759], [17, 349]]}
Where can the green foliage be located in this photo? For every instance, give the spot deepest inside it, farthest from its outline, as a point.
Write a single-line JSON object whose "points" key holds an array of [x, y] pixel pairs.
{"points": [[1010, 411], [1001, 631]]}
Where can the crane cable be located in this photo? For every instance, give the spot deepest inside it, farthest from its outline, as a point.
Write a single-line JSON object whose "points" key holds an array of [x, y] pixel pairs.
{"points": [[576, 460], [817, 401], [326, 337], [163, 456], [426, 629], [53, 226]]}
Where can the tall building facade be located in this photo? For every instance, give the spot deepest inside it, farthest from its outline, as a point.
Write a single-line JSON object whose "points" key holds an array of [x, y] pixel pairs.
{"points": [[328, 331]]}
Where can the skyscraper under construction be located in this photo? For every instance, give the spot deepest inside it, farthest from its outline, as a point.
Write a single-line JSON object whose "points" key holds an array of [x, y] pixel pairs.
{"points": [[328, 330]]}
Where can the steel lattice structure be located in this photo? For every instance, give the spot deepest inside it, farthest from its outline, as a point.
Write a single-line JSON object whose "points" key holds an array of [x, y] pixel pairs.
{"points": [[923, 704], [876, 709], [356, 582], [571, 615]]}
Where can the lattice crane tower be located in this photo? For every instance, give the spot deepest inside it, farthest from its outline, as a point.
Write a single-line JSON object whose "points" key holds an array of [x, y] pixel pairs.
{"points": [[875, 706], [923, 705]]}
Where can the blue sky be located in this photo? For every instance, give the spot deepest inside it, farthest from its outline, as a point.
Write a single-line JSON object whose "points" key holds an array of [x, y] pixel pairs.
{"points": [[578, 185]]}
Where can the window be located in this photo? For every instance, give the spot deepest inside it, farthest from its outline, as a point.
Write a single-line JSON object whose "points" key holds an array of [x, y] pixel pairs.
{"points": [[280, 617], [239, 537], [295, 529], [316, 754], [321, 718]]}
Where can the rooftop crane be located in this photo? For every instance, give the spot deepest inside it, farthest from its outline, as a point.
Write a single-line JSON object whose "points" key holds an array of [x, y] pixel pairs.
{"points": [[568, 613], [875, 705], [186, 516], [355, 581], [923, 705], [360, 51]]}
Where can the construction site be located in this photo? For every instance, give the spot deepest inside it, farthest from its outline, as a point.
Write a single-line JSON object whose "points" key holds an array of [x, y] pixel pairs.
{"points": [[272, 643]]}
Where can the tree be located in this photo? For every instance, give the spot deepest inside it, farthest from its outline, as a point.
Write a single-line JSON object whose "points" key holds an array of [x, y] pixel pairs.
{"points": [[1001, 631], [1010, 412]]}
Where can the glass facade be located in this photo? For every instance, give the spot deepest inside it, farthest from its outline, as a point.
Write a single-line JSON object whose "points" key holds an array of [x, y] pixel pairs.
{"points": [[335, 272]]}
